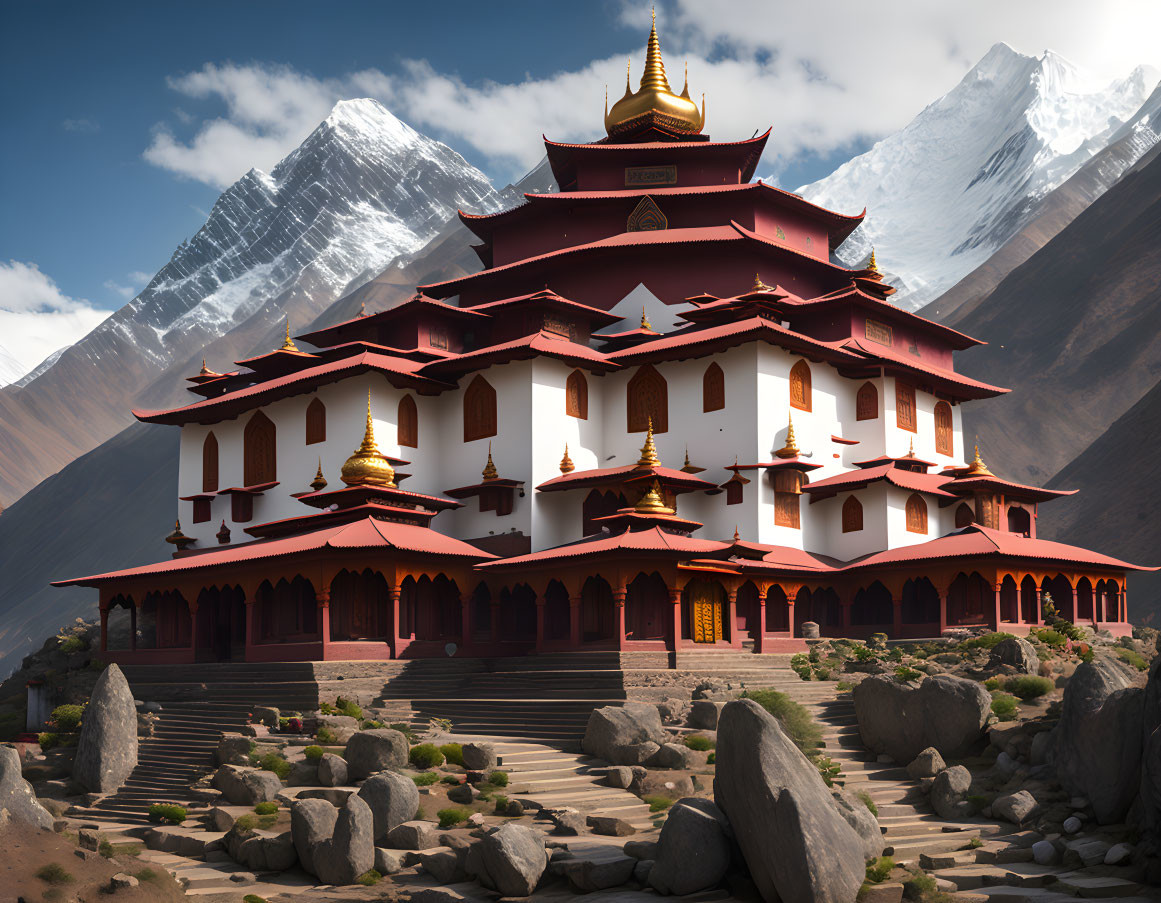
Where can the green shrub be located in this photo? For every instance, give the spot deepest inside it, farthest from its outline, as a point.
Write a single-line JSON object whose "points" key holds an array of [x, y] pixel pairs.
{"points": [[404, 728], [425, 779], [1050, 637], [1028, 686], [266, 808], [828, 769], [449, 818], [327, 709], [919, 887], [866, 800], [1069, 629], [844, 686], [1004, 706], [253, 898], [105, 849], [879, 868], [325, 735], [986, 641], [864, 653], [48, 740], [370, 725], [313, 753], [801, 665], [54, 873], [657, 803], [74, 644], [348, 708], [1088, 655], [711, 758], [369, 878], [276, 763], [170, 812], [823, 674], [1128, 656], [795, 719], [425, 755], [699, 743], [67, 717], [454, 753], [992, 683], [498, 779], [450, 779], [895, 654], [904, 674], [975, 843]]}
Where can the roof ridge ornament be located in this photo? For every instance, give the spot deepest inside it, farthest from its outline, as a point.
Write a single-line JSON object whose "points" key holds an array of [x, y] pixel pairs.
{"points": [[566, 465], [319, 483], [652, 501], [288, 342], [368, 465], [489, 472], [790, 449], [977, 468], [649, 449], [759, 285]]}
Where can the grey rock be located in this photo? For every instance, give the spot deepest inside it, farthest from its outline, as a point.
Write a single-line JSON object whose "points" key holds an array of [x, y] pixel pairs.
{"points": [[587, 876], [351, 849], [246, 786], [261, 853], [1072, 825], [16, 795], [510, 860], [927, 764], [388, 862], [618, 776], [663, 783], [610, 826], [479, 756], [566, 821], [1018, 808], [514, 809], [1017, 653], [673, 755], [902, 719], [703, 714], [464, 794], [302, 774], [810, 630], [393, 799], [233, 749], [856, 814], [445, 866], [624, 735], [332, 770], [369, 752], [1118, 854], [1085, 852], [949, 792], [1041, 749], [693, 851], [1044, 852], [311, 822], [107, 748], [413, 835], [795, 843], [641, 871], [220, 819], [268, 715], [121, 881], [641, 849]]}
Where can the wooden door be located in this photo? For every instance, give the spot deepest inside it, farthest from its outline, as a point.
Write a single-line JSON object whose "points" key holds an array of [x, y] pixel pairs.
{"points": [[705, 612]]}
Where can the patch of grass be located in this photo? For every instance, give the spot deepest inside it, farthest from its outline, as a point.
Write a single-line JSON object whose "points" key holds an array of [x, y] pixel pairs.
{"points": [[879, 868], [1028, 686], [975, 843], [498, 779], [657, 803], [452, 816], [54, 873], [699, 743], [711, 758], [169, 812], [919, 887], [1050, 637], [253, 898], [828, 769], [67, 717], [450, 779], [105, 849], [993, 683], [453, 753], [276, 763], [844, 686], [404, 728], [245, 823], [425, 755], [986, 641], [369, 878], [313, 753], [370, 725], [270, 808], [501, 804], [903, 674], [1004, 706], [801, 665], [349, 708], [150, 875], [325, 735], [49, 740], [1128, 656], [864, 653], [327, 709], [425, 779], [795, 719], [866, 800]]}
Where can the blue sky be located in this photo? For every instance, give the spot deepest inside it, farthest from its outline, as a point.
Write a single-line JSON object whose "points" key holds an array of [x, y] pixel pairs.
{"points": [[123, 121]]}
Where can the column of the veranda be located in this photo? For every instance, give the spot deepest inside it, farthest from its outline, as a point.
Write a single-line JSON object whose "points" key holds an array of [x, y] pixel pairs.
{"points": [[673, 631], [619, 616], [845, 615], [322, 598], [760, 640], [732, 616], [1039, 606], [996, 612], [397, 641], [944, 593]]}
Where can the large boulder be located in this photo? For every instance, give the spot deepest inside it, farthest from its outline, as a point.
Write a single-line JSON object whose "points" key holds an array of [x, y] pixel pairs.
{"points": [[479, 756], [311, 822], [796, 844], [1098, 741], [693, 851], [16, 793], [1018, 807], [260, 852], [233, 749], [1016, 653], [369, 752], [107, 748], [332, 770], [246, 786], [351, 849], [624, 735], [927, 764], [509, 860], [393, 799], [903, 719], [949, 792], [858, 815], [703, 714]]}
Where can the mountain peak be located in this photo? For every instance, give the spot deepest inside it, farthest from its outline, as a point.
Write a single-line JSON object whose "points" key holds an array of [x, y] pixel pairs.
{"points": [[366, 116]]}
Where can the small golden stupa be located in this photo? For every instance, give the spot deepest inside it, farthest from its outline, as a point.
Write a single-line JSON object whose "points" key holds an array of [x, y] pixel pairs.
{"points": [[288, 342], [319, 483], [367, 466], [977, 468], [566, 465], [490, 473], [790, 449], [652, 502], [649, 450]]}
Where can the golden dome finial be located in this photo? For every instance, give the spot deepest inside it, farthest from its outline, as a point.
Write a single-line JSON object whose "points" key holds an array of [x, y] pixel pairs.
{"points": [[288, 343], [649, 450], [685, 87], [490, 473], [654, 74], [911, 448], [367, 465], [319, 483], [178, 538], [759, 285], [873, 264], [978, 468], [737, 536], [566, 465], [362, 308], [645, 324], [652, 502], [790, 449]]}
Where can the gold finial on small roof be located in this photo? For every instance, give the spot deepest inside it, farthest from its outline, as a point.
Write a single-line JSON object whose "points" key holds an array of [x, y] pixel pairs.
{"points": [[645, 324], [652, 502], [566, 465], [178, 538], [288, 343], [649, 450], [873, 264], [367, 465], [911, 448], [978, 468], [362, 308], [490, 473], [205, 371], [759, 285], [737, 536], [319, 482], [790, 449]]}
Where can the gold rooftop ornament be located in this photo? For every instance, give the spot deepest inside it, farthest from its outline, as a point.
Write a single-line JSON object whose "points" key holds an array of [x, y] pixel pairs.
{"points": [[978, 468], [367, 465], [288, 343], [490, 473], [652, 501], [790, 449], [566, 465], [649, 450], [759, 285], [319, 483]]}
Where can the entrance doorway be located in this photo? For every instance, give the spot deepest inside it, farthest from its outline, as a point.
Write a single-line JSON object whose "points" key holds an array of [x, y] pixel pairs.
{"points": [[221, 625], [705, 611]]}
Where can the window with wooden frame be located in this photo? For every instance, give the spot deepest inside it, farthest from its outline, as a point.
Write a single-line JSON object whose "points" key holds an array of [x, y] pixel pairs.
{"points": [[787, 494], [713, 389], [647, 397], [210, 463], [201, 510], [407, 430], [260, 451], [867, 402], [905, 417], [479, 410], [576, 396], [316, 422], [964, 515], [916, 514], [852, 515], [241, 507], [800, 386], [734, 491], [944, 430]]}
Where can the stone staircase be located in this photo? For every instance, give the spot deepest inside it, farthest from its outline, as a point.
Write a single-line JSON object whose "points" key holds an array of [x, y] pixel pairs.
{"points": [[290, 686]]}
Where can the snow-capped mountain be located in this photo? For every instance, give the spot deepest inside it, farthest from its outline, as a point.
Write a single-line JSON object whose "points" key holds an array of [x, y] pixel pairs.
{"points": [[363, 189], [962, 177], [10, 368]]}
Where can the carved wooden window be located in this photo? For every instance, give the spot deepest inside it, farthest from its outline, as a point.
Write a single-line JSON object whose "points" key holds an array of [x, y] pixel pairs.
{"points": [[647, 397], [867, 402], [944, 434], [316, 422], [241, 507], [734, 492], [408, 423], [905, 406], [713, 389], [787, 494], [576, 395], [260, 451], [852, 515], [916, 514], [201, 510], [210, 464], [479, 410], [800, 386], [964, 516]]}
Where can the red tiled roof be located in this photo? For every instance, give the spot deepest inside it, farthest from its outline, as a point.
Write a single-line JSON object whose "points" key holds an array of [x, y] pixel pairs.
{"points": [[539, 343], [328, 335], [579, 479], [634, 542], [930, 483], [881, 354], [1032, 493], [958, 340], [550, 298], [753, 328]]}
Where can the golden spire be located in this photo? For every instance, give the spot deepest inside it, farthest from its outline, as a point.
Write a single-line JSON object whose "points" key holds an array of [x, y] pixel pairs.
{"points": [[367, 465], [911, 448], [178, 538], [652, 502], [790, 449], [873, 264], [654, 75], [362, 308], [978, 468], [319, 483], [688, 467], [566, 465], [205, 371], [490, 473], [649, 450], [287, 343], [645, 324], [685, 87], [736, 535], [759, 285]]}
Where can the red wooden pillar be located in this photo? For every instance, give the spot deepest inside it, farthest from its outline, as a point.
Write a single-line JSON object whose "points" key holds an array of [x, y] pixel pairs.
{"points": [[896, 618], [619, 616], [104, 630], [540, 602], [574, 621], [322, 598], [943, 599], [996, 611], [1039, 607], [673, 634], [760, 637], [732, 615], [398, 644], [1123, 604]]}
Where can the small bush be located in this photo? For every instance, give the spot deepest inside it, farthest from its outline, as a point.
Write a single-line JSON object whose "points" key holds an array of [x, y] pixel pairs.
{"points": [[453, 753], [170, 812], [1069, 629], [975, 843], [370, 725], [253, 898], [74, 644], [699, 743], [1050, 637], [266, 808], [498, 779], [425, 755], [501, 805], [48, 740], [801, 665], [313, 753], [327, 709], [274, 762], [54, 873], [325, 735], [450, 779], [68, 717], [920, 886], [864, 653], [895, 654], [425, 779], [711, 758], [993, 683], [244, 823], [795, 719], [1004, 706], [903, 674], [455, 815], [348, 708], [369, 878], [828, 769], [105, 849], [404, 728], [844, 686], [1027, 686], [987, 641], [866, 800], [1128, 656], [879, 868], [657, 803]]}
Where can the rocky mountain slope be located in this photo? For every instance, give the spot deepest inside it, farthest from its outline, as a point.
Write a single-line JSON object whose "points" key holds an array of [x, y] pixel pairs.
{"points": [[361, 190], [953, 186]]}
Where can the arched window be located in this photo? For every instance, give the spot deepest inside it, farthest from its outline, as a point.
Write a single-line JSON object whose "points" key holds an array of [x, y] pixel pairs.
{"points": [[260, 452], [210, 464], [787, 493], [867, 402], [916, 514], [944, 434], [964, 516], [905, 406], [479, 410], [316, 422], [713, 389], [576, 396], [647, 397], [800, 386], [1019, 520], [852, 515], [408, 423]]}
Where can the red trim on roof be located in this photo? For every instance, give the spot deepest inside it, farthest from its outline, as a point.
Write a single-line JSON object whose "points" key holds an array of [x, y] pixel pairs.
{"points": [[884, 356], [653, 539], [754, 328], [841, 441], [1037, 492], [541, 343], [929, 483], [579, 479], [550, 299]]}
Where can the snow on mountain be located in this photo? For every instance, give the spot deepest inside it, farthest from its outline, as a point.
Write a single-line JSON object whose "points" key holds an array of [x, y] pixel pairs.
{"points": [[962, 177], [10, 368]]}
